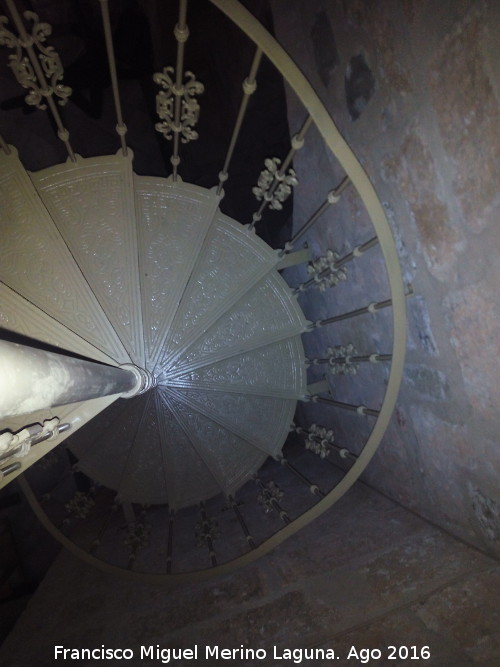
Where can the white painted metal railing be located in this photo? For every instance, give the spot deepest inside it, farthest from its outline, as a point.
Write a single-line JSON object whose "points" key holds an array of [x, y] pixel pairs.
{"points": [[178, 355]]}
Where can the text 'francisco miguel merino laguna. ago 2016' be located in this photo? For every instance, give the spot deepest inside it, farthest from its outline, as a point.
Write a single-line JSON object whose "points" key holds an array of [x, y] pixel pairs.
{"points": [[169, 655]]}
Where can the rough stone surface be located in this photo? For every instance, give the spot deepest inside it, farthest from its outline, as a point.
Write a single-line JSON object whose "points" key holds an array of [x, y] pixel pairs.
{"points": [[467, 112], [359, 85], [325, 48], [475, 619], [475, 335], [374, 20], [414, 172], [427, 381], [428, 141], [367, 574]]}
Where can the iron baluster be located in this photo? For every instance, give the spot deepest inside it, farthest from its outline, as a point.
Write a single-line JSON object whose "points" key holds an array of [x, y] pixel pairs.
{"points": [[249, 88], [207, 532], [313, 488], [137, 537], [328, 270], [269, 497], [359, 409], [96, 542], [275, 185], [370, 308], [121, 128], [325, 273], [33, 71], [242, 523], [79, 506], [343, 360], [332, 198], [176, 104], [321, 441], [170, 539]]}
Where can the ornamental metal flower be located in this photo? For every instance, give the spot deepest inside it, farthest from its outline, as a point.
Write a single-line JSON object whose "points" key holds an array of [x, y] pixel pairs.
{"points": [[325, 272], [339, 360], [80, 505], [23, 68], [189, 109], [270, 494], [273, 186]]}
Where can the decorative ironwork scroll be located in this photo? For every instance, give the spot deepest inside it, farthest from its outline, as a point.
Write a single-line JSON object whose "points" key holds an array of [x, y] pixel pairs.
{"points": [[25, 71], [273, 186], [165, 105], [206, 530], [79, 506], [269, 495], [324, 271]]}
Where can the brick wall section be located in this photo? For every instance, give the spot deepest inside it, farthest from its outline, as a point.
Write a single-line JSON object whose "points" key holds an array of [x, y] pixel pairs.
{"points": [[427, 135]]}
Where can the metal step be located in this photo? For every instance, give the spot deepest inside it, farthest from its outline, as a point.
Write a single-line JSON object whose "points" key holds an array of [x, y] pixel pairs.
{"points": [[37, 264], [91, 201], [172, 222]]}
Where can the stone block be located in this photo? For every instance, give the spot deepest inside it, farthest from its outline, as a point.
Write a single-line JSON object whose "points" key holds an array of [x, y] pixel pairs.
{"points": [[429, 382], [475, 336], [342, 535], [467, 112], [359, 85], [420, 331], [467, 612], [412, 169], [397, 629], [375, 19], [325, 51]]}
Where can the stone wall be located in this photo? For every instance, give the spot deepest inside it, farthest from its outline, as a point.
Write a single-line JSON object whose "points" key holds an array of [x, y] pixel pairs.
{"points": [[367, 574], [413, 86]]}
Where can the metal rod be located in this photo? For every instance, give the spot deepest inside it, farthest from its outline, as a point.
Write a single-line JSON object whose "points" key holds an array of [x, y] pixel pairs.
{"points": [[206, 526], [325, 443], [297, 143], [242, 523], [356, 252], [4, 146], [340, 451], [9, 469], [136, 543], [33, 379], [39, 436], [170, 538], [249, 87], [62, 132], [343, 454], [273, 502], [371, 308], [359, 409], [181, 33], [373, 358], [121, 128], [289, 245], [104, 526], [313, 488], [333, 198]]}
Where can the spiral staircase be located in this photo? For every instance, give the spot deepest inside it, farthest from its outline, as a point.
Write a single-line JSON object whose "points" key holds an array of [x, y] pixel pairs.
{"points": [[177, 466]]}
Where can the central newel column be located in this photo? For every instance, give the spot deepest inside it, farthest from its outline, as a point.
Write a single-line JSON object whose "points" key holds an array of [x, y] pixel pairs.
{"points": [[33, 379]]}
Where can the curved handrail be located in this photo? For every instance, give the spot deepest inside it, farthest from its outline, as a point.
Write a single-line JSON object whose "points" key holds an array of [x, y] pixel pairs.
{"points": [[240, 16], [333, 139]]}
